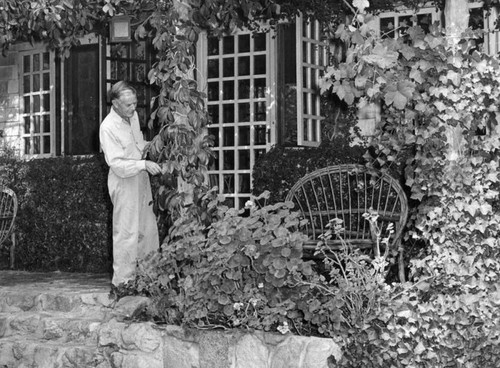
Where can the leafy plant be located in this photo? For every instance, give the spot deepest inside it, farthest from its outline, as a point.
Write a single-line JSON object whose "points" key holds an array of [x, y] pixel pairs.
{"points": [[235, 272]]}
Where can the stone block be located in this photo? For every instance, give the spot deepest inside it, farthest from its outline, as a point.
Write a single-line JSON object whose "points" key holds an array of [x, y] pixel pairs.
{"points": [[110, 334], [250, 352], [178, 353], [8, 72], [13, 86], [142, 336], [130, 306], [135, 360], [214, 348]]}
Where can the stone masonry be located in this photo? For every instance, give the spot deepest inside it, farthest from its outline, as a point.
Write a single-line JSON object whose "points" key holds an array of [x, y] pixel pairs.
{"points": [[68, 321]]}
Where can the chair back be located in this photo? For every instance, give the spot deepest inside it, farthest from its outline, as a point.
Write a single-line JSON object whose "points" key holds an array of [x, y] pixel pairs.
{"points": [[8, 212], [347, 192]]}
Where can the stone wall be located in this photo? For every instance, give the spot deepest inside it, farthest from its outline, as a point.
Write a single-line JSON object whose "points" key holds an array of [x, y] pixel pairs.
{"points": [[146, 345]]}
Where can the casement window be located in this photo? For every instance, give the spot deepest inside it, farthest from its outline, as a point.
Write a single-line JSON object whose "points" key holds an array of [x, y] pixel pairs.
{"points": [[262, 89], [131, 62], [395, 24], [480, 19], [301, 59], [87, 76], [37, 102]]}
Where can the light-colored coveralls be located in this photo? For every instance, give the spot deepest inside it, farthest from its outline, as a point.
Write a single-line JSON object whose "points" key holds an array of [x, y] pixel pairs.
{"points": [[135, 233]]}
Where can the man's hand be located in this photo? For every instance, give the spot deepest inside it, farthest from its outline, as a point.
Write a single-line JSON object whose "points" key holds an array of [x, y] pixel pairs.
{"points": [[153, 168]]}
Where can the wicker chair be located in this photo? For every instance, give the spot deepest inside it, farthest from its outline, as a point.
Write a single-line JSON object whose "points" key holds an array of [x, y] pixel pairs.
{"points": [[347, 192], [8, 212]]}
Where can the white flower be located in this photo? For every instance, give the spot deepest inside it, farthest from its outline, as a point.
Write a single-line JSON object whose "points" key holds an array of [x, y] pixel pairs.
{"points": [[249, 204], [361, 5], [260, 286], [237, 306], [254, 301], [284, 328]]}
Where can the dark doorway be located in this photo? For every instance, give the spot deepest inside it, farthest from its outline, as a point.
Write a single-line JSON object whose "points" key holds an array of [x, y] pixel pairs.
{"points": [[81, 104]]}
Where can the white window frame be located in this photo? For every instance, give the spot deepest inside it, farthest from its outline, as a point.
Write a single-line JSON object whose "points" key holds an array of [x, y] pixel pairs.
{"points": [[38, 49], [308, 36]]}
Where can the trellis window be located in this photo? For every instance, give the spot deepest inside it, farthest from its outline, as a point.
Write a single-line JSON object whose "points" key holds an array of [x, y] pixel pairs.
{"points": [[131, 62], [38, 102], [302, 56]]}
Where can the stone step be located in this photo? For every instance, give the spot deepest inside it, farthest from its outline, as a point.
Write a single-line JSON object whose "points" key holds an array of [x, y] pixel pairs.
{"points": [[22, 352], [60, 327], [56, 301]]}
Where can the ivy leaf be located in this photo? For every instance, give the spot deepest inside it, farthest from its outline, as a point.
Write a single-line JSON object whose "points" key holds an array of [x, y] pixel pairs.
{"points": [[382, 57], [398, 94], [344, 92]]}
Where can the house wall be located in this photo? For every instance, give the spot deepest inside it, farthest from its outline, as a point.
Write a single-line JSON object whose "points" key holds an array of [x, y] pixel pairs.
{"points": [[10, 127]]}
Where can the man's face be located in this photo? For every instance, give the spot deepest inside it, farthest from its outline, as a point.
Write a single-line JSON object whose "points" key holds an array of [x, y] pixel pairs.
{"points": [[126, 104]]}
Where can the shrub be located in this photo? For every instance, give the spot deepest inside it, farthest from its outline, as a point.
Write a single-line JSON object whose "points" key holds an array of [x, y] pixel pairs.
{"points": [[64, 218], [289, 164], [236, 272]]}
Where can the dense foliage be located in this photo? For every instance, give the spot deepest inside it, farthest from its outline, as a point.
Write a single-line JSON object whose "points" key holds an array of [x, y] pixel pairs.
{"points": [[289, 164], [64, 217]]}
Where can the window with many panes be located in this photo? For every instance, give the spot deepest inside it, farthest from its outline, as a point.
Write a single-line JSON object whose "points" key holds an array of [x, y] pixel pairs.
{"points": [[238, 80], [38, 105], [131, 62], [262, 89]]}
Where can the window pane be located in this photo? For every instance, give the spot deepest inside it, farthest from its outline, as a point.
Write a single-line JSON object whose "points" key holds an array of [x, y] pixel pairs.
{"points": [[214, 162], [214, 180], [46, 61], [36, 62], [244, 43], [27, 124], [36, 124], [36, 145], [228, 160], [228, 137], [213, 68], [228, 183], [244, 65], [260, 64], [46, 102], [387, 27], [260, 42], [258, 153], [213, 46], [213, 91], [244, 159], [228, 45], [244, 112], [244, 88], [228, 67], [46, 144], [260, 134], [214, 132], [244, 136], [27, 104], [46, 123], [245, 183], [228, 113], [260, 111], [213, 111], [26, 84], [27, 63], [260, 88], [228, 90], [36, 103], [46, 81], [27, 145], [36, 82]]}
